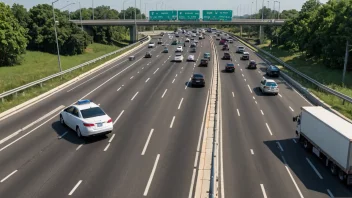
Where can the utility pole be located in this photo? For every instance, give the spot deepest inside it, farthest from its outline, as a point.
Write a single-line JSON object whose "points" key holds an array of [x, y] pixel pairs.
{"points": [[57, 41]]}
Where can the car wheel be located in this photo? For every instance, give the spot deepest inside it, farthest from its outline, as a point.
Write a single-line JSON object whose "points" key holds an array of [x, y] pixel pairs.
{"points": [[78, 131], [62, 121]]}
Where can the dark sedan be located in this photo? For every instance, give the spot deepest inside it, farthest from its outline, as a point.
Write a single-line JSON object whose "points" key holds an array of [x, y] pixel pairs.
{"points": [[226, 56], [197, 80], [148, 55], [230, 67], [272, 70], [252, 65]]}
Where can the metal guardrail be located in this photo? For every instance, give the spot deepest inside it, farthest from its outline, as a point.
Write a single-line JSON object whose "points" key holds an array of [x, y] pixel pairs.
{"points": [[40, 81], [309, 79]]}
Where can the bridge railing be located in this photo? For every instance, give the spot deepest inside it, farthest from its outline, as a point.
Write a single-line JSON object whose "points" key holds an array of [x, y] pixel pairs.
{"points": [[40, 81]]}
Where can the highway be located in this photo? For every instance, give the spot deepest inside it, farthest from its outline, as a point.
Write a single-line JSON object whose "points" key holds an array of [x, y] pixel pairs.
{"points": [[158, 121]]}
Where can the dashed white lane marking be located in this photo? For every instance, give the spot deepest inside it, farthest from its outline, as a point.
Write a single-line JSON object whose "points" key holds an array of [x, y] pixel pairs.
{"points": [[151, 176], [258, 71], [262, 112], [179, 106], [9, 175], [64, 134], [263, 190], [134, 96], [245, 80], [164, 93], [291, 108], [255, 102], [107, 146], [249, 88], [138, 72], [313, 167], [79, 147], [253, 98], [267, 126], [112, 137], [172, 122], [142, 67], [118, 117], [241, 70], [280, 95], [131, 77], [280, 147], [252, 152], [157, 56], [238, 112], [233, 94], [176, 76], [242, 75], [173, 81], [147, 80], [156, 71], [293, 180], [330, 194], [74, 188], [147, 142]]}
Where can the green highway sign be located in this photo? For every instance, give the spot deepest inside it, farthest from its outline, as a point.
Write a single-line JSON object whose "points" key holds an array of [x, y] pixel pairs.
{"points": [[188, 15], [217, 15], [163, 15]]}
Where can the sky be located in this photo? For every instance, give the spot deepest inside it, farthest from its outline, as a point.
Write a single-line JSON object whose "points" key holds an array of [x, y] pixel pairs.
{"points": [[243, 6]]}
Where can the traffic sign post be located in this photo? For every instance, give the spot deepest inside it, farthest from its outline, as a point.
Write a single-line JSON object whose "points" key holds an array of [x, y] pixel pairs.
{"points": [[217, 15], [188, 15], [164, 15]]}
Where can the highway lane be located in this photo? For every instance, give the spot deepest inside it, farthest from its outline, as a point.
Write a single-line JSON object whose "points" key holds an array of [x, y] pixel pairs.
{"points": [[55, 168], [267, 157]]}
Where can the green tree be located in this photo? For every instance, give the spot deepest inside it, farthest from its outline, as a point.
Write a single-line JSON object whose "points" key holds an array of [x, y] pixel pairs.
{"points": [[129, 13], [12, 37], [20, 14]]}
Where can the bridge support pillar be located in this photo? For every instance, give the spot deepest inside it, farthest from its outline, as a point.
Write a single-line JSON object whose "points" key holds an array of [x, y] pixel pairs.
{"points": [[240, 30], [153, 28], [133, 33]]}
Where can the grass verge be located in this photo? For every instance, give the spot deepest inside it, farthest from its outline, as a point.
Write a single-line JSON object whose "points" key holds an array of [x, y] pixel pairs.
{"points": [[317, 71], [12, 101]]}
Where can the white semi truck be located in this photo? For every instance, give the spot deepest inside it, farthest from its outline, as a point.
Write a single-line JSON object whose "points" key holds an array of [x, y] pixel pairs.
{"points": [[329, 137]]}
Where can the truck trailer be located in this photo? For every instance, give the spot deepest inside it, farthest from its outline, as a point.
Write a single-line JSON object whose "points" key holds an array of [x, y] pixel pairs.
{"points": [[329, 137]]}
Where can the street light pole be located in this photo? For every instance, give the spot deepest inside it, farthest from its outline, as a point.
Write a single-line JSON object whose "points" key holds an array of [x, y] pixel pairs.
{"points": [[80, 14], [57, 41], [345, 63], [260, 27], [123, 8], [278, 15], [93, 8], [145, 9], [140, 7]]}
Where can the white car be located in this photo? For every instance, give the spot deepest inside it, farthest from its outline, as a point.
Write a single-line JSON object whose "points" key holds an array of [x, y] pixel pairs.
{"points": [[190, 58], [178, 57], [179, 49], [230, 40], [187, 40], [151, 45], [194, 35], [269, 86], [87, 119]]}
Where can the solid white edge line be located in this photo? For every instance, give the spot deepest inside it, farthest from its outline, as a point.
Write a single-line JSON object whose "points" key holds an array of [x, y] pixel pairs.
{"points": [[147, 80], [112, 137], [172, 122], [252, 152], [151, 176], [313, 167], [263, 190], [249, 88], [107, 146], [262, 112], [63, 135], [118, 117], [330, 194], [31, 124], [9, 175], [291, 108], [164, 93], [179, 106], [134, 95], [79, 147], [74, 188], [267, 126], [280, 147], [293, 179], [238, 112], [147, 142]]}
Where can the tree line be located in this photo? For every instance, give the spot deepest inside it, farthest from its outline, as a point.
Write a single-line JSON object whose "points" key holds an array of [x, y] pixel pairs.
{"points": [[33, 29]]}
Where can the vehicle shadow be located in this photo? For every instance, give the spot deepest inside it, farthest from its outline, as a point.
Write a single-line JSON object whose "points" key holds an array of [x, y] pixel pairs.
{"points": [[189, 84], [295, 156], [71, 135]]}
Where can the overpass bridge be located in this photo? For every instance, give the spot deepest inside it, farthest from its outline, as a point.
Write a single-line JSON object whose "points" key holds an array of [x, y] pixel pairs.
{"points": [[144, 22]]}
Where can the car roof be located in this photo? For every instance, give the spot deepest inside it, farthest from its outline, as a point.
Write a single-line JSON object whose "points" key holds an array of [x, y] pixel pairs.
{"points": [[253, 61], [190, 55], [246, 53], [226, 53], [230, 64], [86, 104], [240, 46], [198, 74], [270, 80], [178, 54]]}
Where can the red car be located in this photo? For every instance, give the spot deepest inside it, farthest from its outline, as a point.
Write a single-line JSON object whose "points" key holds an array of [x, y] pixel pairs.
{"points": [[222, 41]]}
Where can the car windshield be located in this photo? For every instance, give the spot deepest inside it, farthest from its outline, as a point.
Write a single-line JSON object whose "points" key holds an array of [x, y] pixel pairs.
{"points": [[271, 84], [92, 112], [226, 54], [274, 68], [151, 43], [197, 75], [240, 47], [178, 54], [230, 64]]}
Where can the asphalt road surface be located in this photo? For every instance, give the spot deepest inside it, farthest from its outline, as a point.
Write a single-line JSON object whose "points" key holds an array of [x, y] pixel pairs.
{"points": [[158, 118]]}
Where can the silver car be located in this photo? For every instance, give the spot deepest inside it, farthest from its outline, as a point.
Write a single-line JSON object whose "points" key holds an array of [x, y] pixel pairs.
{"points": [[269, 86], [190, 58]]}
